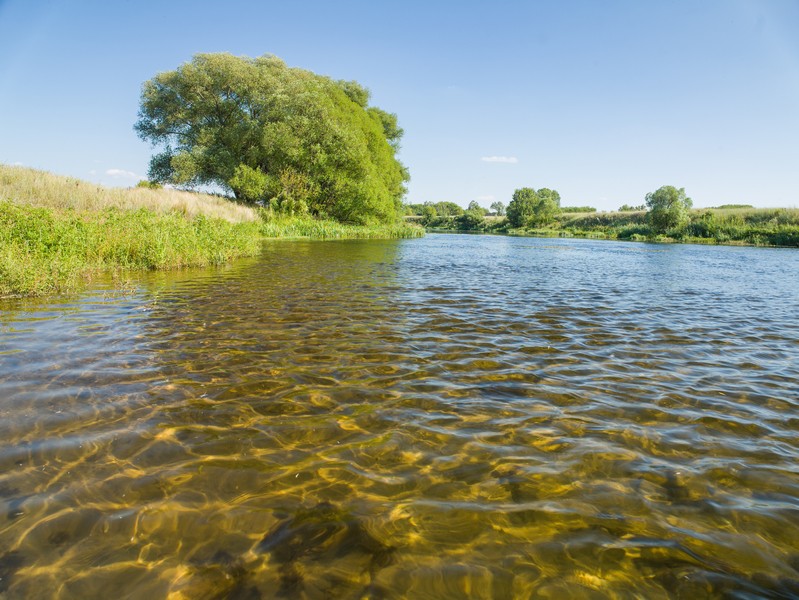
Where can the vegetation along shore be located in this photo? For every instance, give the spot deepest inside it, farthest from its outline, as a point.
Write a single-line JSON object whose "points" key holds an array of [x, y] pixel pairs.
{"points": [[57, 232], [666, 216]]}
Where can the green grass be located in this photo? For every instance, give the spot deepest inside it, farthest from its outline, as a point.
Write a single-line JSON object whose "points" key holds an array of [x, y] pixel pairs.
{"points": [[47, 251], [275, 225], [56, 233]]}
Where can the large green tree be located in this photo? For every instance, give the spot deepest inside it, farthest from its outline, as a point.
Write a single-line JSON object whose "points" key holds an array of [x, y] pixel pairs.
{"points": [[668, 208], [533, 208], [274, 134]]}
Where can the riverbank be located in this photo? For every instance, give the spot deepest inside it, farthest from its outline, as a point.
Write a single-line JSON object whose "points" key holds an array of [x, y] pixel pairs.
{"points": [[56, 232], [727, 226]]}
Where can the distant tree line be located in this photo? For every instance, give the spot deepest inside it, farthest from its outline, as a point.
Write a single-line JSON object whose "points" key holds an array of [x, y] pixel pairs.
{"points": [[666, 214]]}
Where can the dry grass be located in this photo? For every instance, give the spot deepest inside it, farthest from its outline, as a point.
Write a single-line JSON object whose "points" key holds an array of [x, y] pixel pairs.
{"points": [[30, 187]]}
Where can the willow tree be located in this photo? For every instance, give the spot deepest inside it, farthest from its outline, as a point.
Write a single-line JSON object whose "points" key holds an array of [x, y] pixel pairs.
{"points": [[274, 134], [531, 208], [669, 208]]}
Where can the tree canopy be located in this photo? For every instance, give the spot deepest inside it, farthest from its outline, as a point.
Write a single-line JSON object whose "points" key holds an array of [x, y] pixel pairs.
{"points": [[531, 208], [668, 208], [498, 208], [475, 207], [274, 134], [442, 209]]}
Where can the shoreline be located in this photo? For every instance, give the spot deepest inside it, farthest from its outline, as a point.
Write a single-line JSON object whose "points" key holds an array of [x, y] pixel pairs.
{"points": [[726, 226], [57, 233], [603, 238]]}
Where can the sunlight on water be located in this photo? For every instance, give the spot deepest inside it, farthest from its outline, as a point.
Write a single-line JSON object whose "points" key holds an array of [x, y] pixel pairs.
{"points": [[451, 417]]}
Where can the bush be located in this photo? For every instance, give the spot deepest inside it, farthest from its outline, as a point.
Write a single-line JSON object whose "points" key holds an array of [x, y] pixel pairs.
{"points": [[471, 220], [668, 208], [150, 185]]}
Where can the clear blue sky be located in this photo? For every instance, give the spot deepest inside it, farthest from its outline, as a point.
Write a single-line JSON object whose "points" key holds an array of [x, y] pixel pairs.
{"points": [[603, 101]]}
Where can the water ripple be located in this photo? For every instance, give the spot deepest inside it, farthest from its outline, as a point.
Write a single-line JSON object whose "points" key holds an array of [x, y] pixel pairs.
{"points": [[458, 416]]}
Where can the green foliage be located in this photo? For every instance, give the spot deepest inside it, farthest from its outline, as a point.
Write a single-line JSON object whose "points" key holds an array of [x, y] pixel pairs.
{"points": [[45, 251], [296, 190], [606, 221], [281, 225], [549, 196], [447, 209], [442, 209], [429, 213], [776, 227], [472, 219], [531, 208], [577, 209], [498, 208], [668, 208], [149, 185], [476, 208], [56, 232], [522, 206], [628, 208], [251, 125], [734, 206], [249, 185], [355, 92]]}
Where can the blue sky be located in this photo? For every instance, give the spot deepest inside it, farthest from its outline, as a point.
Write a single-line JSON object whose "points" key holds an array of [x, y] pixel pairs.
{"points": [[603, 101]]}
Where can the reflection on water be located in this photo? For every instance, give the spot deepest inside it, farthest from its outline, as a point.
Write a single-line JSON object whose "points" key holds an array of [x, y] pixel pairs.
{"points": [[457, 416]]}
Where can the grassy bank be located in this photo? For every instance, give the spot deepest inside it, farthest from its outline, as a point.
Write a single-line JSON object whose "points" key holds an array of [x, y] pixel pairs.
{"points": [[56, 232], [46, 250], [30, 187], [284, 226], [759, 227], [734, 226]]}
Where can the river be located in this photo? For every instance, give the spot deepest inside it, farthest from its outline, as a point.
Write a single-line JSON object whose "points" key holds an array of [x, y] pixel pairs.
{"points": [[455, 416]]}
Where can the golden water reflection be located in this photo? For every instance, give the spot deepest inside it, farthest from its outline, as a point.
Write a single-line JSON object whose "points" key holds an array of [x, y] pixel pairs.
{"points": [[451, 417]]}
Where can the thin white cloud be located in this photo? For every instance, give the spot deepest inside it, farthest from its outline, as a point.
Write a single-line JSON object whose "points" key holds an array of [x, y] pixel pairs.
{"points": [[500, 159], [121, 174], [18, 164], [485, 198]]}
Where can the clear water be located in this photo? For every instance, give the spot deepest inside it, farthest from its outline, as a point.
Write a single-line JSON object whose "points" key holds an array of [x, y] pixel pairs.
{"points": [[451, 417]]}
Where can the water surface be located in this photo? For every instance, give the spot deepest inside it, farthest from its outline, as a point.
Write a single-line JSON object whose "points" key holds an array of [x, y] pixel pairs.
{"points": [[456, 416]]}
